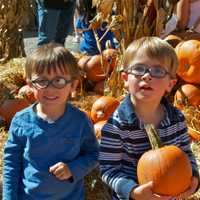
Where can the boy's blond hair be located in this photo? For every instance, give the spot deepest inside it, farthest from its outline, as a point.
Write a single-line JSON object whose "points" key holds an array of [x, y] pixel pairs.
{"points": [[51, 57], [154, 48]]}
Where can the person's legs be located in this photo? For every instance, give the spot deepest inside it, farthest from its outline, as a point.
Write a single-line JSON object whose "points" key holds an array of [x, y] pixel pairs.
{"points": [[65, 23], [47, 24]]}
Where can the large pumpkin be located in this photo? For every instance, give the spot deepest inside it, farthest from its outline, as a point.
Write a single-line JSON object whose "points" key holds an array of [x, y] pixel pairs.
{"points": [[103, 107], [10, 106], [187, 94], [95, 67], [188, 53], [168, 167]]}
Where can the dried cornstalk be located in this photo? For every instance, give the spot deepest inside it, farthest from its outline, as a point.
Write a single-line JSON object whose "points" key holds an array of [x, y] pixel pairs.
{"points": [[12, 16]]}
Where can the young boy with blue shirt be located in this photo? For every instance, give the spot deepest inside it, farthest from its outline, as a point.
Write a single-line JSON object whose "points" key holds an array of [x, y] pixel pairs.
{"points": [[51, 145]]}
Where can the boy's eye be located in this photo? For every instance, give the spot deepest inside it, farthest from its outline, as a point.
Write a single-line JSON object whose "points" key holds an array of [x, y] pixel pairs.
{"points": [[40, 82], [60, 81]]}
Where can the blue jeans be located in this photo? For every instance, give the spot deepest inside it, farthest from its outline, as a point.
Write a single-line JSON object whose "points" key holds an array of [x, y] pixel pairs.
{"points": [[54, 24]]}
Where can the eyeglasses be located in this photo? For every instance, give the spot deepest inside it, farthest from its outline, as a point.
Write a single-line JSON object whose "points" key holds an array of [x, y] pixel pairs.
{"points": [[140, 70], [58, 82]]}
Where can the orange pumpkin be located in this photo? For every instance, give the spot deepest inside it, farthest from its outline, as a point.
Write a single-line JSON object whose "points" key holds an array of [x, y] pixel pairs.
{"points": [[97, 70], [27, 92], [187, 94], [92, 66], [188, 53], [94, 69], [97, 128], [173, 40], [10, 106], [103, 107], [82, 62], [168, 167]]}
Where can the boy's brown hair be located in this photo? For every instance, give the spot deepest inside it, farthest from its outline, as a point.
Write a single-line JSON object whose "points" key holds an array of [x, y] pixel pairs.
{"points": [[50, 57], [154, 48]]}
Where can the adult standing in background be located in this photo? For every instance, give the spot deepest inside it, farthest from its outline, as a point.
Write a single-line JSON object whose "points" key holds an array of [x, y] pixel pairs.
{"points": [[55, 20], [188, 15]]}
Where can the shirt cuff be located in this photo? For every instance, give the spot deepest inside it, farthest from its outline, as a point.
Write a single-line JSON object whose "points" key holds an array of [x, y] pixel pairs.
{"points": [[125, 188]]}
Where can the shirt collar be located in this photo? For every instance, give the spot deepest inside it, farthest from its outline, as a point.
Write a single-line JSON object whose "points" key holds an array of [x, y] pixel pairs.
{"points": [[127, 113]]}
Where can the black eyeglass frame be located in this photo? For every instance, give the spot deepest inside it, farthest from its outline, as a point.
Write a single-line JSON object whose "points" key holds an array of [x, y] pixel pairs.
{"points": [[49, 82], [148, 69]]}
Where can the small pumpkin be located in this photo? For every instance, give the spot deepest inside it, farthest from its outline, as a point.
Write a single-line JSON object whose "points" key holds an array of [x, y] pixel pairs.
{"points": [[187, 94], [188, 53], [103, 107], [168, 167], [97, 128], [10, 106]]}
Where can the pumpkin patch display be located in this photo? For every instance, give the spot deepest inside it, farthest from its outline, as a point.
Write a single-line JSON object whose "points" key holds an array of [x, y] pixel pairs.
{"points": [[187, 94], [188, 53], [168, 167], [103, 107]]}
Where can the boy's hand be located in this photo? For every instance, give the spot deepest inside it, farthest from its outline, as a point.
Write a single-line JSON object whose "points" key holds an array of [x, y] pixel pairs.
{"points": [[61, 171], [190, 190], [144, 192]]}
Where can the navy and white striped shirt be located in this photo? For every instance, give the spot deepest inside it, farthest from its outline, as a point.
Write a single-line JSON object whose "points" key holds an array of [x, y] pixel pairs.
{"points": [[124, 140]]}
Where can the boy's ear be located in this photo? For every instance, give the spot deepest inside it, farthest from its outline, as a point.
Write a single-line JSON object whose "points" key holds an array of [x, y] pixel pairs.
{"points": [[172, 82], [124, 77], [74, 86]]}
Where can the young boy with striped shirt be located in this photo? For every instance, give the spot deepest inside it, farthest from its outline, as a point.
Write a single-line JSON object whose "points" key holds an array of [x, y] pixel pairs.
{"points": [[149, 73]]}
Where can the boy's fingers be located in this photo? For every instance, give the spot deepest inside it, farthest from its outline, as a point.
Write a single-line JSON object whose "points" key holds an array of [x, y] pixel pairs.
{"points": [[54, 167]]}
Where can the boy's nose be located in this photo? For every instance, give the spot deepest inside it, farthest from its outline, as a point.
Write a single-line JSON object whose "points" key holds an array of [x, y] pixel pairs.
{"points": [[146, 76]]}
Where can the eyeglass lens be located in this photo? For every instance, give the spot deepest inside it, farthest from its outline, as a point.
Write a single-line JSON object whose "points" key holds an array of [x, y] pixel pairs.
{"points": [[57, 82], [140, 70]]}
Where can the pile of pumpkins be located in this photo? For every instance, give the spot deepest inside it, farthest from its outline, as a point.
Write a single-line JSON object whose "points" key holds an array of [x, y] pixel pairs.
{"points": [[188, 93]]}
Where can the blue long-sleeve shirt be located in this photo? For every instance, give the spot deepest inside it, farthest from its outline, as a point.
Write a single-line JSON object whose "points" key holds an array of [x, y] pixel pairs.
{"points": [[124, 140], [34, 145]]}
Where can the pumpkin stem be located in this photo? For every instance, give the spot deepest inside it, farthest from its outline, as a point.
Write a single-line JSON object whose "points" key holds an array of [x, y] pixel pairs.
{"points": [[153, 136]]}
